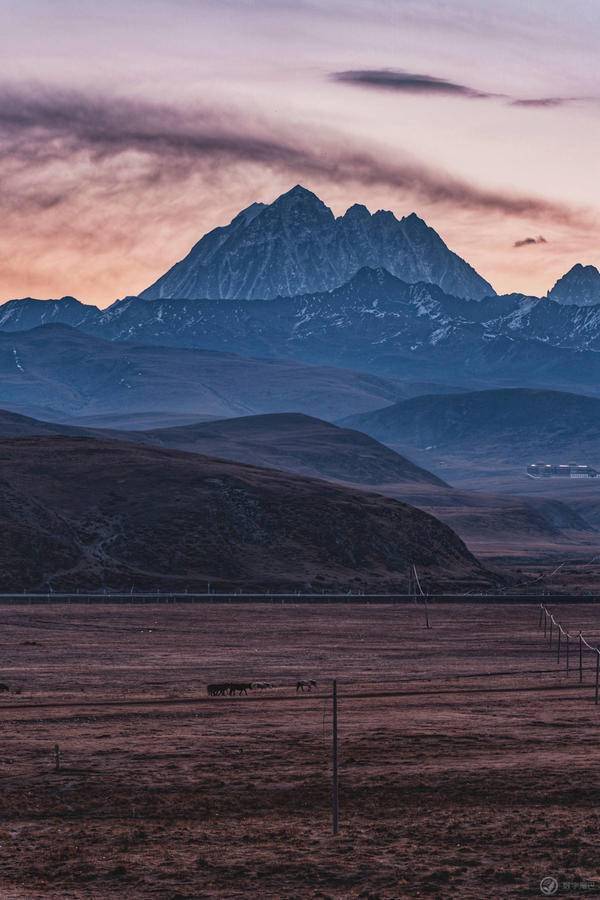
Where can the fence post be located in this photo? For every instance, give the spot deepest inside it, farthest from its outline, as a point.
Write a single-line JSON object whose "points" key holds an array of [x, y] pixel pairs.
{"points": [[568, 667], [597, 674], [551, 623], [426, 612], [580, 658], [558, 645], [541, 614], [545, 623], [334, 769]]}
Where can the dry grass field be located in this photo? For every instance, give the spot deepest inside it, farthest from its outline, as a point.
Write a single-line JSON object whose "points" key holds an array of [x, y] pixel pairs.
{"points": [[469, 759]]}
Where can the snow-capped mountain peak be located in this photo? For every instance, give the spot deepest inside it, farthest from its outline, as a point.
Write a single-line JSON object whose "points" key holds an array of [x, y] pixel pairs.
{"points": [[296, 245], [579, 287]]}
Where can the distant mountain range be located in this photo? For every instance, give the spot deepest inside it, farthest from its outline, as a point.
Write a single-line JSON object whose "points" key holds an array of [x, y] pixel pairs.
{"points": [[81, 512], [289, 281], [374, 323], [58, 372], [517, 425], [296, 246]]}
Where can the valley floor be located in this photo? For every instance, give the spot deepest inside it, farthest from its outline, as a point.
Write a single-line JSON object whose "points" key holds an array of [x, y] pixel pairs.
{"points": [[468, 756]]}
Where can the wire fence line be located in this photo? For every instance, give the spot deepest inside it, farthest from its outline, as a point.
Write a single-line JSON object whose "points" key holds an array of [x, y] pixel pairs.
{"points": [[556, 634], [413, 592]]}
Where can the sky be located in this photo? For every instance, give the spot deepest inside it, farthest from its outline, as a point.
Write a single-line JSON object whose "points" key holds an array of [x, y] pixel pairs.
{"points": [[129, 128]]}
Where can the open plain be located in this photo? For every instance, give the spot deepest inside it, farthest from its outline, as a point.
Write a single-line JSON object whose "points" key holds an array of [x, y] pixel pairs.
{"points": [[469, 756]]}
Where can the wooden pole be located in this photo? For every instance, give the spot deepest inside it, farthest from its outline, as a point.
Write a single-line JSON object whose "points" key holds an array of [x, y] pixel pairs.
{"points": [[426, 612], [541, 614], [551, 623], [545, 623], [597, 674], [335, 810], [567, 653], [580, 658], [558, 646]]}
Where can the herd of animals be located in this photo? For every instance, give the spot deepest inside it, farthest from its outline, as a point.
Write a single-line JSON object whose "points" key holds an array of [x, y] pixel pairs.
{"points": [[231, 688]]}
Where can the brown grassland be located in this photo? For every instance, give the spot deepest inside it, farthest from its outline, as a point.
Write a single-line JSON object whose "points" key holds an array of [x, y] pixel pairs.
{"points": [[469, 758]]}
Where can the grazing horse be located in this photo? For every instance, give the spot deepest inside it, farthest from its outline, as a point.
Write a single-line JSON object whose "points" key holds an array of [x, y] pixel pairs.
{"points": [[261, 685], [306, 685], [239, 688], [217, 690], [228, 687]]}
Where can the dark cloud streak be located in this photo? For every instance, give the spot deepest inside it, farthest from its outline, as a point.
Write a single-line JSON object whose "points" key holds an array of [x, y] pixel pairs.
{"points": [[527, 242], [390, 79], [411, 83], [546, 102], [133, 143]]}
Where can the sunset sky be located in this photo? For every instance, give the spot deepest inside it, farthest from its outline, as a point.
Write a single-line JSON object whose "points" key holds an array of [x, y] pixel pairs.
{"points": [[129, 128]]}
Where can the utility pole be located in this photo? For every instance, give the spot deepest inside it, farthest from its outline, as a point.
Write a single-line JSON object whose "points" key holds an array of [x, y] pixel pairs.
{"points": [[335, 808]]}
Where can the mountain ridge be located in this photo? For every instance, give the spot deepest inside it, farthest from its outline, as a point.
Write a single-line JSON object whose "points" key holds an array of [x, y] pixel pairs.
{"points": [[375, 323], [298, 443], [517, 424], [72, 372], [296, 245], [293, 442], [580, 286]]}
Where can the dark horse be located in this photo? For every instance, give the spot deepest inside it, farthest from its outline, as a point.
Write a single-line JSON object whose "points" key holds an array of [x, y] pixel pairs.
{"points": [[306, 685], [239, 688], [227, 687]]}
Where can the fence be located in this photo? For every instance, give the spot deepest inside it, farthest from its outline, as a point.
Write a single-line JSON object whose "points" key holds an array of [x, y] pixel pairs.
{"points": [[413, 593], [552, 627]]}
